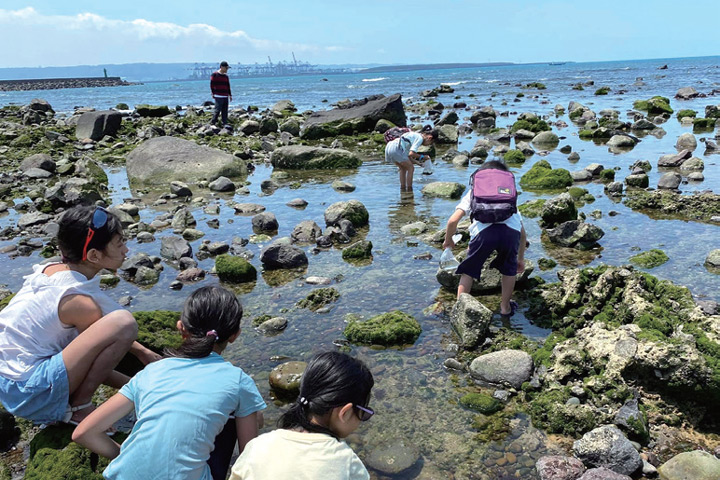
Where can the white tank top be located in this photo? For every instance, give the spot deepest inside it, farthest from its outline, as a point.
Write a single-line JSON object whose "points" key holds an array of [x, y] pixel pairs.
{"points": [[30, 328]]}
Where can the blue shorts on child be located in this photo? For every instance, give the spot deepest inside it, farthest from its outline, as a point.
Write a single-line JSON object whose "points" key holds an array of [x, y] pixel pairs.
{"points": [[496, 238], [42, 398]]}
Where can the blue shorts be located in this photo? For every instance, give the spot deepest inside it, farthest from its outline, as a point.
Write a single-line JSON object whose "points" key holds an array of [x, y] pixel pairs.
{"points": [[42, 398], [496, 238]]}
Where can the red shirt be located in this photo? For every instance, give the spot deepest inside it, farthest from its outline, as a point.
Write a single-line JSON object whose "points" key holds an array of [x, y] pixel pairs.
{"points": [[220, 85]]}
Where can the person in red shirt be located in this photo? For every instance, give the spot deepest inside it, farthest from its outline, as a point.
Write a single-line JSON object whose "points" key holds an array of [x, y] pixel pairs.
{"points": [[220, 88]]}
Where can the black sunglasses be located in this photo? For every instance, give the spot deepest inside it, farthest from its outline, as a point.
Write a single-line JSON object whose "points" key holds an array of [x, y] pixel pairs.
{"points": [[99, 219], [364, 413]]}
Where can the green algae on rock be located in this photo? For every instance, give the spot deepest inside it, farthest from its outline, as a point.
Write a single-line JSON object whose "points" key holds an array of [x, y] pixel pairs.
{"points": [[392, 328], [318, 298], [301, 157], [514, 156], [285, 379], [686, 113], [234, 269], [157, 329], [654, 105], [549, 410], [358, 250], [650, 259], [542, 176], [451, 190], [699, 207], [530, 123], [481, 402], [602, 91], [532, 208]]}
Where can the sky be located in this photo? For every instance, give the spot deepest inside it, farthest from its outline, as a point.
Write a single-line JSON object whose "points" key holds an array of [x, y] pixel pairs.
{"points": [[90, 32]]}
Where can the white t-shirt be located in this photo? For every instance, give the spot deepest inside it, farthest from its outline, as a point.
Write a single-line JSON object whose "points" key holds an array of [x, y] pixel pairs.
{"points": [[398, 150], [290, 455], [514, 222], [30, 328]]}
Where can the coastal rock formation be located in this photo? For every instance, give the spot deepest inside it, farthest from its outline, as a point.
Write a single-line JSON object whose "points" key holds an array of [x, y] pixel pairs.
{"points": [[302, 157], [701, 207], [356, 117], [392, 328], [607, 447], [95, 125], [160, 160]]}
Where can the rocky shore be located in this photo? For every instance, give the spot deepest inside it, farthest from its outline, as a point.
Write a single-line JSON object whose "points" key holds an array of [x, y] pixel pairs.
{"points": [[57, 83], [625, 386]]}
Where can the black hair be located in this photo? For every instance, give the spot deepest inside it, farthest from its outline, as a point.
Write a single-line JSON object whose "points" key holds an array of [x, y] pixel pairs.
{"points": [[211, 315], [429, 130], [331, 379], [73, 230], [495, 165]]}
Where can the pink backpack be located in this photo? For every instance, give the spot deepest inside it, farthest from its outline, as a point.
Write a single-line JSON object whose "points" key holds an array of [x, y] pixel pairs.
{"points": [[494, 196], [395, 132]]}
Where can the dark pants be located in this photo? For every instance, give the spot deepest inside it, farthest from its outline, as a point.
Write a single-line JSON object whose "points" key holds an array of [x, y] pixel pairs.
{"points": [[221, 106], [496, 238], [224, 447]]}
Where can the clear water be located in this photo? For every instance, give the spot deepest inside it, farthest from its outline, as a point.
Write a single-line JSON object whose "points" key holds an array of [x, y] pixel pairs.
{"points": [[415, 397]]}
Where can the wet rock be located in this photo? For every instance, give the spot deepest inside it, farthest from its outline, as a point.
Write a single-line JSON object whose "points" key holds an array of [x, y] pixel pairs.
{"points": [[556, 467], [273, 326], [285, 378], [471, 320], [37, 173], [358, 250], [504, 367], [96, 125], [709, 307], [694, 164], [450, 190], [670, 181], [265, 222], [306, 231], [643, 124], [546, 140], [33, 219], [161, 160], [574, 157], [173, 247], [713, 259], [182, 219], [581, 176], [392, 328], [340, 186], [187, 262], [319, 298], [674, 160], [318, 280], [393, 457], [180, 189], [355, 117], [234, 269], [291, 126], [277, 256], [222, 184], [558, 210], [575, 234], [191, 275], [248, 208], [695, 465], [297, 203], [302, 157], [637, 180], [42, 161], [632, 420], [415, 228], [603, 474], [686, 141], [621, 141], [542, 176], [686, 93], [607, 447], [283, 107], [351, 210], [146, 276], [700, 206], [217, 248], [192, 234]]}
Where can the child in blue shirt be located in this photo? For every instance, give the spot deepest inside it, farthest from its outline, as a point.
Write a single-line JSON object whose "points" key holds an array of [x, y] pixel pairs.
{"points": [[403, 152], [182, 402]]}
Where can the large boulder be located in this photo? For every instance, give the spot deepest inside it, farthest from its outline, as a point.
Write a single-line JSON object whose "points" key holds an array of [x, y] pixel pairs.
{"points": [[471, 320], [696, 465], [302, 157], [279, 256], [505, 367], [160, 160], [607, 447], [351, 210], [43, 161], [575, 234], [451, 190], [558, 210], [355, 117], [95, 125]]}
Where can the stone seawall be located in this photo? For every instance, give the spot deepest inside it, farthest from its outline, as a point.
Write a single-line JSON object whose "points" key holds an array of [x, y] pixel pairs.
{"points": [[56, 83]]}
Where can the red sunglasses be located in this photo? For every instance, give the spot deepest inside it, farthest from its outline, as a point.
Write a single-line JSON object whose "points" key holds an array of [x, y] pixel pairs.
{"points": [[99, 219]]}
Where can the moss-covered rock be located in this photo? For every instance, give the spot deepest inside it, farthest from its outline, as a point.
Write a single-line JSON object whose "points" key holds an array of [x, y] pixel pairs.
{"points": [[514, 156], [543, 177], [481, 402], [234, 269], [699, 207], [531, 123], [686, 113], [358, 250], [392, 328], [302, 157], [318, 298], [546, 264], [4, 302], [602, 91], [655, 105], [285, 379], [549, 411], [537, 85], [145, 110], [607, 175], [451, 190], [157, 329], [650, 259], [352, 210], [532, 208], [704, 123]]}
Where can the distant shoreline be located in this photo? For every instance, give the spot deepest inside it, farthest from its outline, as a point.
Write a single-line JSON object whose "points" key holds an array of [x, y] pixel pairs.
{"points": [[58, 83]]}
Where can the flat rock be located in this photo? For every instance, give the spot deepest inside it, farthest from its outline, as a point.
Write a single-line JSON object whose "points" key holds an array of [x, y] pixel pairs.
{"points": [[248, 208], [285, 378], [505, 367], [451, 190], [696, 465], [603, 474], [393, 457], [303, 157]]}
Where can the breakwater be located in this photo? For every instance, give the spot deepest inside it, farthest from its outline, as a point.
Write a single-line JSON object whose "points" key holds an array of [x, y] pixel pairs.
{"points": [[57, 83]]}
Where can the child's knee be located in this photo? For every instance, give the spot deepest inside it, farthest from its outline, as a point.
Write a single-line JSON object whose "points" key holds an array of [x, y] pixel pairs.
{"points": [[124, 323]]}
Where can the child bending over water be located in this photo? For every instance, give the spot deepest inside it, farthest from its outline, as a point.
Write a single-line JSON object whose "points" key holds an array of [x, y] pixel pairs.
{"points": [[183, 402], [334, 397]]}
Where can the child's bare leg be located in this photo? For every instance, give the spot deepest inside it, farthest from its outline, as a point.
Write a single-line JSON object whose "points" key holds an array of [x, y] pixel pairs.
{"points": [[465, 284], [401, 173], [507, 286], [409, 171]]}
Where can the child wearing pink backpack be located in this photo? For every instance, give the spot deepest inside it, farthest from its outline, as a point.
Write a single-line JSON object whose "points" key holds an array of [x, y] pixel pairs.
{"points": [[496, 226]]}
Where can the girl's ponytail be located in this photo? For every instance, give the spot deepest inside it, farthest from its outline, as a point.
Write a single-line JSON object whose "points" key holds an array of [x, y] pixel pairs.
{"points": [[211, 315]]}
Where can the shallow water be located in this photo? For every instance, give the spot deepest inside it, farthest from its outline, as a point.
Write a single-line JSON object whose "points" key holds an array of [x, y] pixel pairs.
{"points": [[415, 397]]}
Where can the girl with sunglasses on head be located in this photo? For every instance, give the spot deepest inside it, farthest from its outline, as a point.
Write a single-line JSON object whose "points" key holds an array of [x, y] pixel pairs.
{"points": [[61, 336], [334, 395], [182, 402]]}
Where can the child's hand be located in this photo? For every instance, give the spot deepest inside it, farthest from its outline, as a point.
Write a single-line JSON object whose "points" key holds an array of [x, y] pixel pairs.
{"points": [[520, 266], [449, 244], [148, 356]]}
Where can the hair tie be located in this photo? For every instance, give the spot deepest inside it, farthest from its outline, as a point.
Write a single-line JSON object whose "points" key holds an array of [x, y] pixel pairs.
{"points": [[213, 333], [303, 401]]}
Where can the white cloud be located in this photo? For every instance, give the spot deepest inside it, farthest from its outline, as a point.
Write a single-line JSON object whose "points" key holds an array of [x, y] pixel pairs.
{"points": [[89, 38]]}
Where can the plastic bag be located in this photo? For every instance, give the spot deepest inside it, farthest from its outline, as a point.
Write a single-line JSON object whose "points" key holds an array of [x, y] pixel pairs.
{"points": [[427, 167], [448, 261]]}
